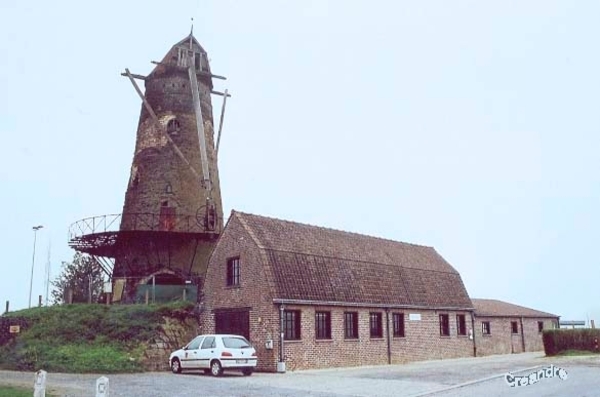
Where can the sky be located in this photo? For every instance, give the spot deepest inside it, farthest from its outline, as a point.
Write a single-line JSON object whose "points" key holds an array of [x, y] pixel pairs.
{"points": [[469, 126]]}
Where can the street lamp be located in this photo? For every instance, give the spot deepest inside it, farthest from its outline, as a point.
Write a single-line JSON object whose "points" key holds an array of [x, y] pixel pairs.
{"points": [[35, 229]]}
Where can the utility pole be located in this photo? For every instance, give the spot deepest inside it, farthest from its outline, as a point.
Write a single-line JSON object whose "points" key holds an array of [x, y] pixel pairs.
{"points": [[35, 229], [90, 288], [48, 270]]}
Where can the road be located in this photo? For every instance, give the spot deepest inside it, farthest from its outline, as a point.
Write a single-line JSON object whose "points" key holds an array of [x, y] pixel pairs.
{"points": [[484, 376]]}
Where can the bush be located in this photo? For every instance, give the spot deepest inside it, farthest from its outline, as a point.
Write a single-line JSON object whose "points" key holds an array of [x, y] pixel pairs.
{"points": [[557, 341]]}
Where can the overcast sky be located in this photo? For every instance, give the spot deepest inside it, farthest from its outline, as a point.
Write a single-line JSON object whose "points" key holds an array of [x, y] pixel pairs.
{"points": [[469, 126]]}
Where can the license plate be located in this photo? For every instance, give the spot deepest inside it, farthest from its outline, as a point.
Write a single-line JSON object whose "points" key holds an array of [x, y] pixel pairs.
{"points": [[244, 361]]}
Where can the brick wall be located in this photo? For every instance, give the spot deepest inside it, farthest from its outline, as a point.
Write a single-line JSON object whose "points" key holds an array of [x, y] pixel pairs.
{"points": [[156, 164], [502, 340], [254, 291], [422, 340]]}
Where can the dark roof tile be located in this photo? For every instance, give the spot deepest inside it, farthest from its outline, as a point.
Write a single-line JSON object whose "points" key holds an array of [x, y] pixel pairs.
{"points": [[317, 264]]}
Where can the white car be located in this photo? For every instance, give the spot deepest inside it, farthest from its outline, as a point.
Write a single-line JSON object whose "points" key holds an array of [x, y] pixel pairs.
{"points": [[215, 353]]}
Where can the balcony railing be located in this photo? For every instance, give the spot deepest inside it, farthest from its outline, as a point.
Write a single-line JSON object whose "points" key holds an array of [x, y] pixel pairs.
{"points": [[138, 222]]}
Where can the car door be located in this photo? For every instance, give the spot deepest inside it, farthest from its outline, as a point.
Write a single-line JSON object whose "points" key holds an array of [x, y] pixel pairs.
{"points": [[207, 351], [190, 357]]}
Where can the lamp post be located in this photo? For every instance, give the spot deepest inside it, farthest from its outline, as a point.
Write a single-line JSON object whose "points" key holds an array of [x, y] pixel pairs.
{"points": [[35, 229]]}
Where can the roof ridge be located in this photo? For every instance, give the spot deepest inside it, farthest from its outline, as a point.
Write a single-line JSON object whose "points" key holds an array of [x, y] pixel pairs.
{"points": [[187, 38], [334, 230]]}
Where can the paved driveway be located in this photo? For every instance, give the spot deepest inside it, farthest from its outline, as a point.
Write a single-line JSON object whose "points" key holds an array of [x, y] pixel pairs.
{"points": [[460, 377]]}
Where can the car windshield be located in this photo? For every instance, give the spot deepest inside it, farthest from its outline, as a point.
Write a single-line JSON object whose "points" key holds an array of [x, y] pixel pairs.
{"points": [[235, 342]]}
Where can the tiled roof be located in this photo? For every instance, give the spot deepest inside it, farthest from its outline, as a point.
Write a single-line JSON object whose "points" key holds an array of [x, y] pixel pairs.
{"points": [[313, 263], [496, 308]]}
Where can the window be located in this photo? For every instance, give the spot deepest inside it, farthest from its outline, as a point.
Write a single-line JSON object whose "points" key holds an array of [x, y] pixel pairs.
{"points": [[233, 272], [485, 328], [195, 344], [291, 324], [398, 319], [540, 326], [351, 325], [461, 324], [236, 342], [173, 126], [209, 343], [375, 325], [515, 327], [167, 217], [323, 325], [444, 325]]}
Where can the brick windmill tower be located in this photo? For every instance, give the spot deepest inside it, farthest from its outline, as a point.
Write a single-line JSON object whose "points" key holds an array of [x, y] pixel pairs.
{"points": [[172, 214]]}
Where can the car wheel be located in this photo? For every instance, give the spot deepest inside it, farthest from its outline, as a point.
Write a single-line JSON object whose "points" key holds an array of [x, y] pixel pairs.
{"points": [[247, 371], [215, 368], [176, 366]]}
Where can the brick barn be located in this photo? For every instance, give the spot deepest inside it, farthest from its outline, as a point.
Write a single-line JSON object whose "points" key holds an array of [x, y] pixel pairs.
{"points": [[338, 298], [503, 327]]}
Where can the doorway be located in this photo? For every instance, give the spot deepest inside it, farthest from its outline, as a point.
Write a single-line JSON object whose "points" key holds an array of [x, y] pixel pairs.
{"points": [[233, 322]]}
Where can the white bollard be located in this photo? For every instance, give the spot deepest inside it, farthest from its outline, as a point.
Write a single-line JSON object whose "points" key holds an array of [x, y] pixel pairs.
{"points": [[102, 387], [39, 387]]}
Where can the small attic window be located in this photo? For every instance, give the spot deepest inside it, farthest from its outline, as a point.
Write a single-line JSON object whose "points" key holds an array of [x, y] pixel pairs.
{"points": [[168, 188], [173, 126]]}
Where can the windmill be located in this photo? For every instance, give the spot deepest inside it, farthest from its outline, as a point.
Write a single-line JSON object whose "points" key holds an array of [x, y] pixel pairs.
{"points": [[172, 214]]}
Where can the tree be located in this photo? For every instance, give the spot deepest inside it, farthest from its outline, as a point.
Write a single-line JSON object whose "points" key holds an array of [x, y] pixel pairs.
{"points": [[83, 276]]}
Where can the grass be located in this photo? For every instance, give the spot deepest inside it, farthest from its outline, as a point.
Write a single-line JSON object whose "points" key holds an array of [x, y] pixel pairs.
{"points": [[572, 353], [10, 391], [87, 338]]}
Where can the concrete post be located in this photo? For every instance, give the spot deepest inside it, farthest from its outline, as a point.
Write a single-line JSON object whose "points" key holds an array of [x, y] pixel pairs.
{"points": [[39, 386], [153, 289], [102, 387]]}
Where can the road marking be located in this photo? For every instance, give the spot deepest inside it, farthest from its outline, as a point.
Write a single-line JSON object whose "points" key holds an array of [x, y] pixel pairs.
{"points": [[473, 382]]}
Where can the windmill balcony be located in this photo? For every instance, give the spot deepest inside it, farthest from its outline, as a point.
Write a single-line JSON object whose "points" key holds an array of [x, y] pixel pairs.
{"points": [[97, 234]]}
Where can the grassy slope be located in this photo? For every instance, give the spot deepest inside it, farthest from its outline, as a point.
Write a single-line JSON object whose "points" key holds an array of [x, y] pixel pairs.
{"points": [[86, 338]]}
